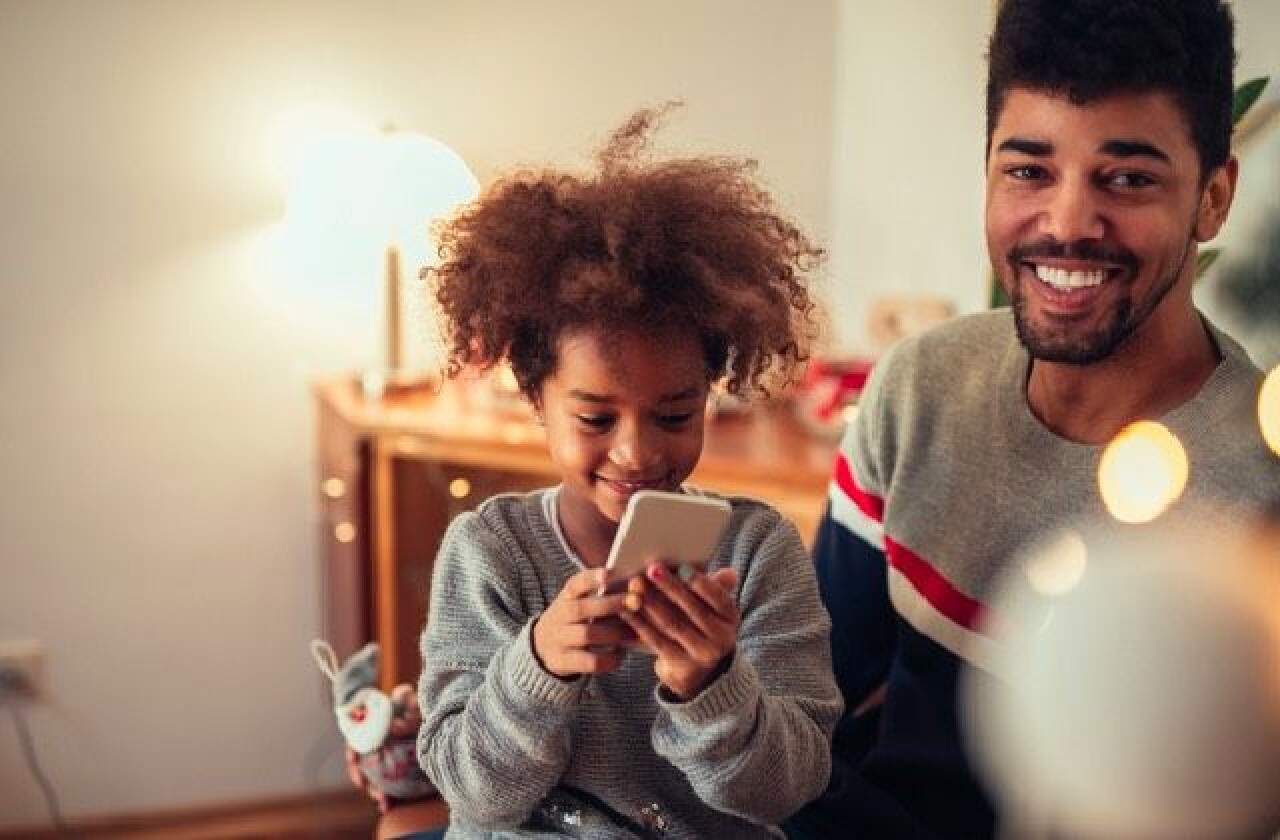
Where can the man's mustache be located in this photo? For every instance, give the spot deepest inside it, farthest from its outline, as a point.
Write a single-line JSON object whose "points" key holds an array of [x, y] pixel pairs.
{"points": [[1084, 249]]}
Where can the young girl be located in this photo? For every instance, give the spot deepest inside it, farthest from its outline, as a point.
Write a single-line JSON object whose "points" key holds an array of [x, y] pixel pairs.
{"points": [[694, 705]]}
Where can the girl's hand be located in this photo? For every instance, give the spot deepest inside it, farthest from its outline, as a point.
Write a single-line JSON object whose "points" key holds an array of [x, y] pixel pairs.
{"points": [[691, 626], [580, 632]]}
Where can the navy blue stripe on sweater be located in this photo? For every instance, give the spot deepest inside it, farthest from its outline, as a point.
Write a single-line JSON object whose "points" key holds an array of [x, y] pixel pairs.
{"points": [[899, 770]]}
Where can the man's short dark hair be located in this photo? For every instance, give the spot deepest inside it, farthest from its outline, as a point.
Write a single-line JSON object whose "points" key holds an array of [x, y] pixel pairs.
{"points": [[1090, 49]]}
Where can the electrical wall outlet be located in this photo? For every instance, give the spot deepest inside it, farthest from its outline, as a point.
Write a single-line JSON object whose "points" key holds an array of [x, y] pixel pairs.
{"points": [[21, 670]]}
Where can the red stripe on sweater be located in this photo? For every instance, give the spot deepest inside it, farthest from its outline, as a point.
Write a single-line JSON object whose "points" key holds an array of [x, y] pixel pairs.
{"points": [[935, 588], [872, 506], [925, 579]]}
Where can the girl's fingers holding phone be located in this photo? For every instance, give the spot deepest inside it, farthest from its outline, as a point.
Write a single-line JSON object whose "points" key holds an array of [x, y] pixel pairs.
{"points": [[606, 633], [591, 607], [584, 583], [685, 599], [650, 636], [693, 632], [716, 595]]}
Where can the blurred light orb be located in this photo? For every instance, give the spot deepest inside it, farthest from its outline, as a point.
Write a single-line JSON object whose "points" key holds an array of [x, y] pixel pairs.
{"points": [[1058, 569], [1142, 472], [1269, 409], [1141, 702]]}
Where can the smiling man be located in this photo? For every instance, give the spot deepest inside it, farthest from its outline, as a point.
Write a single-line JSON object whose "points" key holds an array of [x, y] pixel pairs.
{"points": [[1108, 165]]}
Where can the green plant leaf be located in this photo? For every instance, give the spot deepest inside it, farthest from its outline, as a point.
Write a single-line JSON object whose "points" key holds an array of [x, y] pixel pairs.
{"points": [[1206, 258], [1245, 96], [996, 296]]}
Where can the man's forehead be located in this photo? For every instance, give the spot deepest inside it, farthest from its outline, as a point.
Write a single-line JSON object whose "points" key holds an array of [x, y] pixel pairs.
{"points": [[1113, 122]]}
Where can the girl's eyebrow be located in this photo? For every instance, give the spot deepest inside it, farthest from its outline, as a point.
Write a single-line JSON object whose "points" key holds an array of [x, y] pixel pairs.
{"points": [[586, 396]]}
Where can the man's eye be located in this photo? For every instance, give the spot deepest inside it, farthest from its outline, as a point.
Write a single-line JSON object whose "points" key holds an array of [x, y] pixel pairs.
{"points": [[676, 419], [1025, 172], [1130, 180], [595, 421]]}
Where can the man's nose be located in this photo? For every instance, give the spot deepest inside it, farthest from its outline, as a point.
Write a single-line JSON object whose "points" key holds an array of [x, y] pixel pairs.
{"points": [[1073, 212]]}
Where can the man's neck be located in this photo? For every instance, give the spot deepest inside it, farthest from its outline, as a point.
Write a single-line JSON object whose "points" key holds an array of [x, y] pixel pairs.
{"points": [[1150, 374]]}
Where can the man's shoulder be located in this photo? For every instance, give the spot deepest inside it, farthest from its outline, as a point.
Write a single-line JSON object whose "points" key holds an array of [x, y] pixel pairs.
{"points": [[989, 331], [965, 347]]}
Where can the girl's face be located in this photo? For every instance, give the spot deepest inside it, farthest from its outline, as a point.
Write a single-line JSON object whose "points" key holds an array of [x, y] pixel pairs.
{"points": [[624, 412]]}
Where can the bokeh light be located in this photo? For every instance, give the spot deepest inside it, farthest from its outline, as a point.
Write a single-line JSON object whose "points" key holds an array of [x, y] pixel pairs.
{"points": [[1059, 568], [1269, 409], [1142, 472], [1142, 701]]}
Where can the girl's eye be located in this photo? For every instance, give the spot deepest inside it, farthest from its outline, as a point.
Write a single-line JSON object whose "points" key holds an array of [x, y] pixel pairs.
{"points": [[676, 420], [595, 421]]}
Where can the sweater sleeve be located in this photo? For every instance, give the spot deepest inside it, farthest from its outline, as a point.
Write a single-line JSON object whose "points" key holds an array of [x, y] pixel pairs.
{"points": [[849, 552], [756, 742], [495, 735]]}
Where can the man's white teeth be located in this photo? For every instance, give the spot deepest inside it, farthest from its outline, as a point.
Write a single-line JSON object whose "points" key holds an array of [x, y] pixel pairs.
{"points": [[1065, 280]]}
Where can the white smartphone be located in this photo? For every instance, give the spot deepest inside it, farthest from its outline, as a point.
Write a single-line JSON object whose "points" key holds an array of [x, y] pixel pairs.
{"points": [[676, 528]]}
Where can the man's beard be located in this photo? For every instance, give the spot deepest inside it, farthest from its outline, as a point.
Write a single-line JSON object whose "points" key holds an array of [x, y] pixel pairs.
{"points": [[1071, 347]]}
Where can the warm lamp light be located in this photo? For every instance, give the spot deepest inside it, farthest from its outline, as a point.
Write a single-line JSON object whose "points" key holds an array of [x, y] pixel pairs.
{"points": [[419, 181], [376, 192]]}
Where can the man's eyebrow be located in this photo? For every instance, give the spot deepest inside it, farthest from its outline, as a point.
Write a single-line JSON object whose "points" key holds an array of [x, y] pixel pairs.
{"points": [[1133, 148], [1021, 145]]}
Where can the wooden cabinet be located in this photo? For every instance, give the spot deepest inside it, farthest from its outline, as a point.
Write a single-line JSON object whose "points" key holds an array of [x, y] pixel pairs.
{"points": [[393, 471]]}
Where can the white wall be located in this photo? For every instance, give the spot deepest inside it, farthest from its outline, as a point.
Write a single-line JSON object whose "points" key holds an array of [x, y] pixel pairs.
{"points": [[906, 195], [155, 431]]}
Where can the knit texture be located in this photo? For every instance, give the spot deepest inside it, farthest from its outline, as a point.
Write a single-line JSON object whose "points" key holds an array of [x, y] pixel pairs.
{"points": [[942, 481], [507, 743]]}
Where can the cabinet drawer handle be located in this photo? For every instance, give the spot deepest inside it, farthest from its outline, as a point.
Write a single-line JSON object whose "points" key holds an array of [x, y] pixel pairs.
{"points": [[334, 488], [344, 532]]}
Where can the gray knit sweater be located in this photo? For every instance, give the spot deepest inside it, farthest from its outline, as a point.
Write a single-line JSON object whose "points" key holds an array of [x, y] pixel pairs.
{"points": [[517, 752]]}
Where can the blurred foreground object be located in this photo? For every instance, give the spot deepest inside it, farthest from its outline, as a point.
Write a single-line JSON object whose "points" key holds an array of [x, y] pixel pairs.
{"points": [[1138, 692]]}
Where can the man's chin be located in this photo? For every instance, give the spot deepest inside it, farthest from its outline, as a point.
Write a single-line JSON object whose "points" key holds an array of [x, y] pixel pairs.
{"points": [[1064, 345]]}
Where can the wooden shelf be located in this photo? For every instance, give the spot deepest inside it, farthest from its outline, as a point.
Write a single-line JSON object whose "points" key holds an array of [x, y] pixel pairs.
{"points": [[393, 471]]}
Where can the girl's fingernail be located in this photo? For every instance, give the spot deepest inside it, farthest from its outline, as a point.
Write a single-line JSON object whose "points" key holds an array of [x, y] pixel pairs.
{"points": [[633, 602], [686, 572], [657, 571]]}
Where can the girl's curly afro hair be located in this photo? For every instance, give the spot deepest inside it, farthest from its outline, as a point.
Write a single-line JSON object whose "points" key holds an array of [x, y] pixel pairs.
{"points": [[693, 243]]}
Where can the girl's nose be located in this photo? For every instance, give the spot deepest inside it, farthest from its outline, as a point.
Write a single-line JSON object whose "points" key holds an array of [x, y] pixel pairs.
{"points": [[634, 449]]}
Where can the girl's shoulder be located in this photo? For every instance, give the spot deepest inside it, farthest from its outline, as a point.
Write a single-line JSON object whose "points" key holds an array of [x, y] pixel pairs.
{"points": [[748, 507], [752, 521], [512, 520]]}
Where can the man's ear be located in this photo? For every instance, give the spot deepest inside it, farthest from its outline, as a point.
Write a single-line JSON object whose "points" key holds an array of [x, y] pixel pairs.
{"points": [[1215, 200]]}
